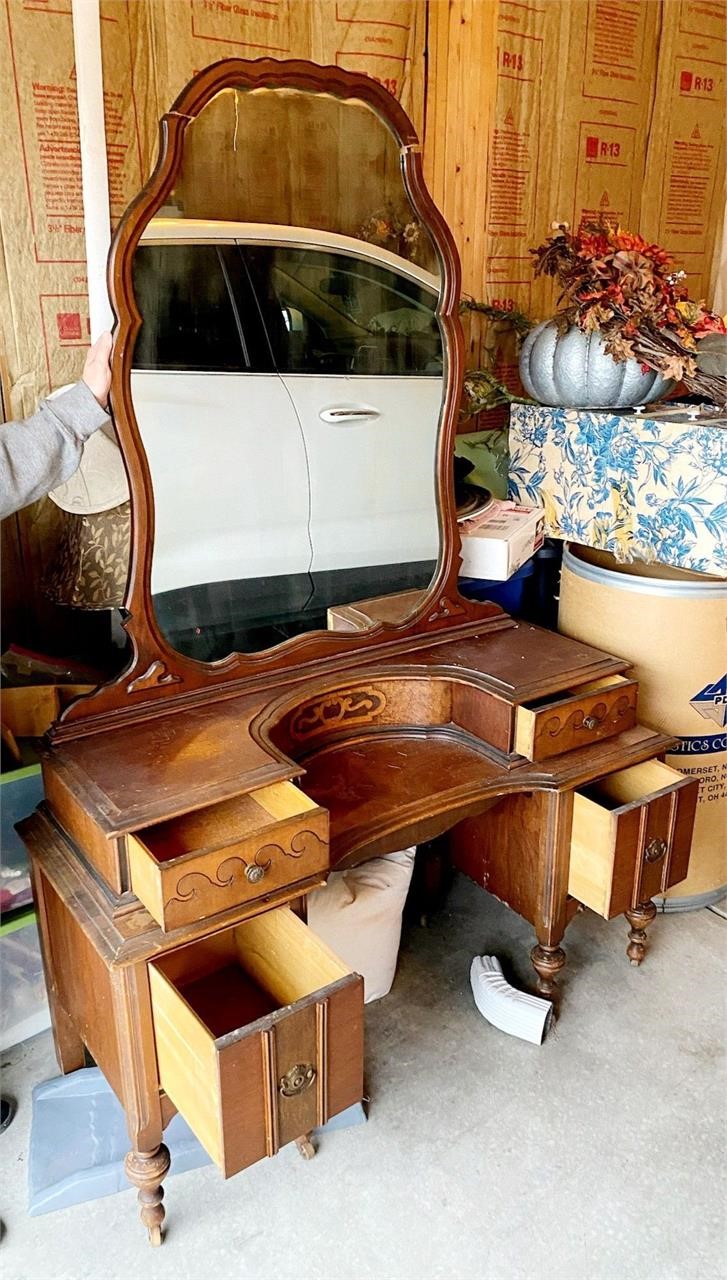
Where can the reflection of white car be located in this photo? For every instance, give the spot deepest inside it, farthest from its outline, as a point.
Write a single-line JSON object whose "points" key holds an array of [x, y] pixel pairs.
{"points": [[287, 384]]}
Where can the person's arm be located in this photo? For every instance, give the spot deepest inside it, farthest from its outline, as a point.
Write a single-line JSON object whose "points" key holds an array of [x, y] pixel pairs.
{"points": [[44, 450]]}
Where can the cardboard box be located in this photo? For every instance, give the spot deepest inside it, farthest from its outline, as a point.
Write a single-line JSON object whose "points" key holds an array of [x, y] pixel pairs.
{"points": [[500, 539]]}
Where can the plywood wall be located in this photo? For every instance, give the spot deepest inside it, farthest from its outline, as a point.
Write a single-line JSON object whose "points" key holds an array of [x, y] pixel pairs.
{"points": [[682, 200], [459, 114], [531, 111], [540, 111]]}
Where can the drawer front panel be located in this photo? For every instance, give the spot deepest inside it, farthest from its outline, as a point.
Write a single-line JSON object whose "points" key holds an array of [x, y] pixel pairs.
{"points": [[248, 1089], [682, 830], [299, 1076], [279, 1083], [247, 1134], [270, 1085], [566, 723], [670, 823], [654, 847], [344, 1048], [627, 847], [285, 848]]}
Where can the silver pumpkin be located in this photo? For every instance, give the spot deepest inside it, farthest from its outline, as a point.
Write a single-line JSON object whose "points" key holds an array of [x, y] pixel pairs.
{"points": [[574, 371]]}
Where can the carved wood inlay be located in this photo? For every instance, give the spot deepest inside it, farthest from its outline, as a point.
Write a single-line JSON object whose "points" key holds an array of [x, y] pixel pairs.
{"points": [[579, 720], [350, 706], [155, 674], [446, 608], [304, 843]]}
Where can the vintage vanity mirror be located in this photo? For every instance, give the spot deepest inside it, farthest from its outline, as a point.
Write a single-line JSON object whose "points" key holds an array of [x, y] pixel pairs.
{"points": [[287, 366], [191, 803]]}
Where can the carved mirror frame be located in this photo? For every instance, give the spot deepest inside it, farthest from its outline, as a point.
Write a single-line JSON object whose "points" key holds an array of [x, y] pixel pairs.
{"points": [[156, 672]]}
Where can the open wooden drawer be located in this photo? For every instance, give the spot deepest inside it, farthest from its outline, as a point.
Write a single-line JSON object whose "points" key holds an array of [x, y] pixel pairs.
{"points": [[227, 854], [631, 836], [259, 1036], [575, 717]]}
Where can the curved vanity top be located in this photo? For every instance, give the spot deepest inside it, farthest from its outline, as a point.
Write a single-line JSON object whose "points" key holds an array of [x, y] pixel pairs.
{"points": [[376, 788], [452, 702]]}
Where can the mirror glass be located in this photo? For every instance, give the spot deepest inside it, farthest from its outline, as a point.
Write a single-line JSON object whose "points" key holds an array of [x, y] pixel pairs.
{"points": [[288, 374]]}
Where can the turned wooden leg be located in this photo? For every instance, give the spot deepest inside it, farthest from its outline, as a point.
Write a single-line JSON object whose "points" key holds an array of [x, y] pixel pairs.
{"points": [[639, 917], [147, 1170], [305, 1146], [431, 880], [547, 963]]}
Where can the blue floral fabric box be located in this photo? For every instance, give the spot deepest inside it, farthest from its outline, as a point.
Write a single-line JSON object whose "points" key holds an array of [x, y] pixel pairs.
{"points": [[643, 488]]}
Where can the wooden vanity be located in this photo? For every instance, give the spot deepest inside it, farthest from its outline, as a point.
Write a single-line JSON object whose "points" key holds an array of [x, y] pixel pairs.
{"points": [[173, 850], [190, 807]]}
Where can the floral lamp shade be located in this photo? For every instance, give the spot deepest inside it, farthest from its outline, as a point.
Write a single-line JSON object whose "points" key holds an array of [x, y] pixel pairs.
{"points": [[91, 564], [650, 489]]}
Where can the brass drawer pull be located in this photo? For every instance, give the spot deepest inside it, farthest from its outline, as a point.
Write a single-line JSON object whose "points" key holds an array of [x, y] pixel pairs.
{"points": [[297, 1080], [592, 722], [655, 849], [254, 872]]}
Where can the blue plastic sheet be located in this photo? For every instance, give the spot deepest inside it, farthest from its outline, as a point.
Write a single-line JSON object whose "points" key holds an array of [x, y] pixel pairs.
{"points": [[78, 1141]]}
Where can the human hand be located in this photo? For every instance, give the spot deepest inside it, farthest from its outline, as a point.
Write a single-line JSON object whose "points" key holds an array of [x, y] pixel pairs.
{"points": [[97, 369]]}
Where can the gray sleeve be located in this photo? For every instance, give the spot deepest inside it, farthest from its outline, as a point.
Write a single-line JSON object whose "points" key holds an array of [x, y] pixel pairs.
{"points": [[44, 450]]}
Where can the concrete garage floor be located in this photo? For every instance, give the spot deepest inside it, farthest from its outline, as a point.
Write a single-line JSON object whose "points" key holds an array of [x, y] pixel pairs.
{"points": [[599, 1156]]}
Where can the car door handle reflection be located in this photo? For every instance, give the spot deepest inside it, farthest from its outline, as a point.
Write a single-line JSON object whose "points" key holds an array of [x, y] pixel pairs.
{"points": [[348, 413]]}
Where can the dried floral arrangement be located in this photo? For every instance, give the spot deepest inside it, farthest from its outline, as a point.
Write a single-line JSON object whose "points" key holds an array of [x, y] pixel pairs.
{"points": [[482, 389], [617, 284], [387, 229]]}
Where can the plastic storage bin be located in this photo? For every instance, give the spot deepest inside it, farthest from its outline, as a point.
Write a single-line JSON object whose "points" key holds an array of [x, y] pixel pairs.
{"points": [[78, 1141], [508, 594], [20, 791], [24, 1006]]}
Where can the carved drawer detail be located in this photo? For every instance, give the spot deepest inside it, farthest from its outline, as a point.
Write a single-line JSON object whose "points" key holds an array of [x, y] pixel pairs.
{"points": [[631, 837], [575, 717], [259, 1036], [229, 853]]}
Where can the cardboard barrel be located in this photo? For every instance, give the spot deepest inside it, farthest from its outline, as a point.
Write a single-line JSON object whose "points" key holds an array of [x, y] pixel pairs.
{"points": [[672, 625]]}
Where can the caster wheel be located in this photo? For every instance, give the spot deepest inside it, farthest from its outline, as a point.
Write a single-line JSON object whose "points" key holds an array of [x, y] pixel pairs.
{"points": [[155, 1237], [305, 1148]]}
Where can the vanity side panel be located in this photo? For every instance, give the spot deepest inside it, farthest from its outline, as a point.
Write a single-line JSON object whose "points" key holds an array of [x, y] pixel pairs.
{"points": [[82, 983], [103, 853], [484, 715], [501, 850]]}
